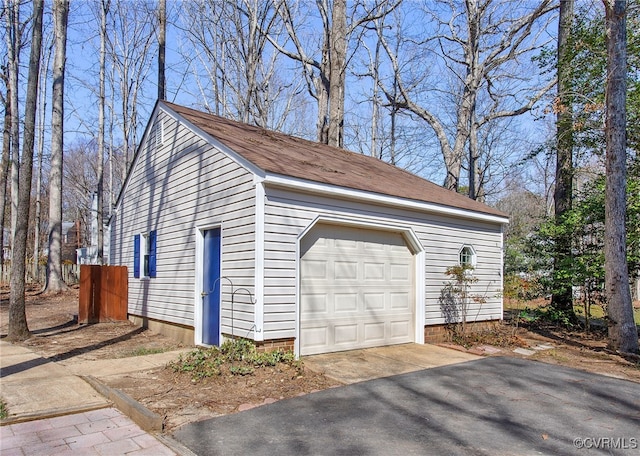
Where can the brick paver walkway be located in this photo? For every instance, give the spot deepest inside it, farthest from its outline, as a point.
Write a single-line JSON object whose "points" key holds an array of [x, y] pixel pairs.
{"points": [[100, 432]]}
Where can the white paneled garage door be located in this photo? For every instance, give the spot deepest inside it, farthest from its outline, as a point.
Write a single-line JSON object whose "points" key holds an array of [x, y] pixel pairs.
{"points": [[356, 289]]}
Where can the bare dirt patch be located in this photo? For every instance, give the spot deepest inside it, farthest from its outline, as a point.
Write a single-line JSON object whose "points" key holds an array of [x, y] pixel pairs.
{"points": [[53, 322], [181, 399], [580, 349]]}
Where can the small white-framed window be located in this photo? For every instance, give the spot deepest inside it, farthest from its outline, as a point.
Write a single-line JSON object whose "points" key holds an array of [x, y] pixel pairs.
{"points": [[145, 248], [467, 256]]}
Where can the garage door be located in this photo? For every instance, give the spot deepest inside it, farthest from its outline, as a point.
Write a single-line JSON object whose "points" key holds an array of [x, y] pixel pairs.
{"points": [[356, 289]]}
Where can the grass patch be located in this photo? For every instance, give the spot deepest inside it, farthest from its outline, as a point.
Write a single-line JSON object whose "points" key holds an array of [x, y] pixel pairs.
{"points": [[4, 411], [141, 351], [556, 355], [234, 357]]}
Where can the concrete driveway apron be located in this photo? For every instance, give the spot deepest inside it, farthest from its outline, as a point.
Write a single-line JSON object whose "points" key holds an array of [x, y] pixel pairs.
{"points": [[491, 406]]}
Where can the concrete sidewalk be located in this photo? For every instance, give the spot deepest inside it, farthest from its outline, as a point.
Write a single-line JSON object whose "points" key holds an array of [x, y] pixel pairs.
{"points": [[104, 368], [53, 410], [34, 387]]}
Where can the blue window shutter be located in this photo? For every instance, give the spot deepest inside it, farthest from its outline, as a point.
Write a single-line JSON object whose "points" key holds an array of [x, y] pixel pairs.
{"points": [[152, 253], [136, 256]]}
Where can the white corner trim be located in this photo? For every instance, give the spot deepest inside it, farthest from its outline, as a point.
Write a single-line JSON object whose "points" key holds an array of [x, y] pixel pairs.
{"points": [[343, 192], [258, 310], [197, 296], [421, 296]]}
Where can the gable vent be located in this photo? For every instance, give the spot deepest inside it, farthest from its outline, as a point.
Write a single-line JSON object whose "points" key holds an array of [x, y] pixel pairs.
{"points": [[159, 133]]}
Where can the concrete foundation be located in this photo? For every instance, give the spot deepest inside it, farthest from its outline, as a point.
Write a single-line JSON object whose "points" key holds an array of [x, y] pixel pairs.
{"points": [[180, 333]]}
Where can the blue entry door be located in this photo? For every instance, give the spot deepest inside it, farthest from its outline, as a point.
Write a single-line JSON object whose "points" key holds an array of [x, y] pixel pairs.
{"points": [[211, 288]]}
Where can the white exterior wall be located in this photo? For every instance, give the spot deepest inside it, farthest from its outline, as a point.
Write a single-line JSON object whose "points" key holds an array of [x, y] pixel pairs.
{"points": [[184, 185], [288, 214]]}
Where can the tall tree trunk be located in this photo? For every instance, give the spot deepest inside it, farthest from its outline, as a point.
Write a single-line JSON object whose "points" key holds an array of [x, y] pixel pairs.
{"points": [[18, 328], [562, 288], [4, 169], [327, 86], [111, 158], [42, 119], [338, 64], [13, 37], [375, 103], [104, 8], [162, 42], [623, 334], [473, 157], [55, 282]]}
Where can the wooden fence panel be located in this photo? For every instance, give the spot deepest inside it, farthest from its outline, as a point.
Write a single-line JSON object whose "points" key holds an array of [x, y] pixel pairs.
{"points": [[103, 293]]}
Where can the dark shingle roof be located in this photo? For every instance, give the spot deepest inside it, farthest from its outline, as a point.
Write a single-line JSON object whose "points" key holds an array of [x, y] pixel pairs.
{"points": [[285, 155]]}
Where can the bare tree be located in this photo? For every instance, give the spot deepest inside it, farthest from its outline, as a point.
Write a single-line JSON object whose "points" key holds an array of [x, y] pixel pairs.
{"points": [[623, 333], [242, 78], [477, 43], [130, 39], [563, 193], [387, 133], [55, 282], [80, 179], [18, 328], [325, 74], [42, 127], [162, 44], [14, 43], [104, 8], [4, 164]]}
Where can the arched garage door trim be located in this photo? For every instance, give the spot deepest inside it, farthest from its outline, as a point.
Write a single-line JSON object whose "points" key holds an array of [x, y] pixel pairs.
{"points": [[413, 244]]}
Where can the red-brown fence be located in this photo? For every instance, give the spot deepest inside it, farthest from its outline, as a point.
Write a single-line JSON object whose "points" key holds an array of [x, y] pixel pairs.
{"points": [[103, 293]]}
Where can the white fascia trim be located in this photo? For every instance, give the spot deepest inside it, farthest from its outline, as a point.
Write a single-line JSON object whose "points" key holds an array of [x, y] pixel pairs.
{"points": [[259, 265], [373, 224], [239, 159], [316, 187]]}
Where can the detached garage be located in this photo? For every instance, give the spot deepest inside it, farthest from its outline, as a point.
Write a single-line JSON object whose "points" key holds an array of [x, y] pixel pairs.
{"points": [[290, 243]]}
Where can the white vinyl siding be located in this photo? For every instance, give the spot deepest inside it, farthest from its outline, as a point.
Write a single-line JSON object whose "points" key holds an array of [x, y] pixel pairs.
{"points": [[185, 183], [288, 214]]}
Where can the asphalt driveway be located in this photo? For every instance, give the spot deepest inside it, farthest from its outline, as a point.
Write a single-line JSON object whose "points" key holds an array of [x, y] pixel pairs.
{"points": [[491, 406]]}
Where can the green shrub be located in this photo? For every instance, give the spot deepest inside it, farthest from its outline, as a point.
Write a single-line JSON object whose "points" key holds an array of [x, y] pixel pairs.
{"points": [[545, 315], [141, 351], [236, 357]]}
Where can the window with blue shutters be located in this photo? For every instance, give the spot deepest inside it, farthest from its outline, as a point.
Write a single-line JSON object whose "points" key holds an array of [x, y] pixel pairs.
{"points": [[144, 253]]}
